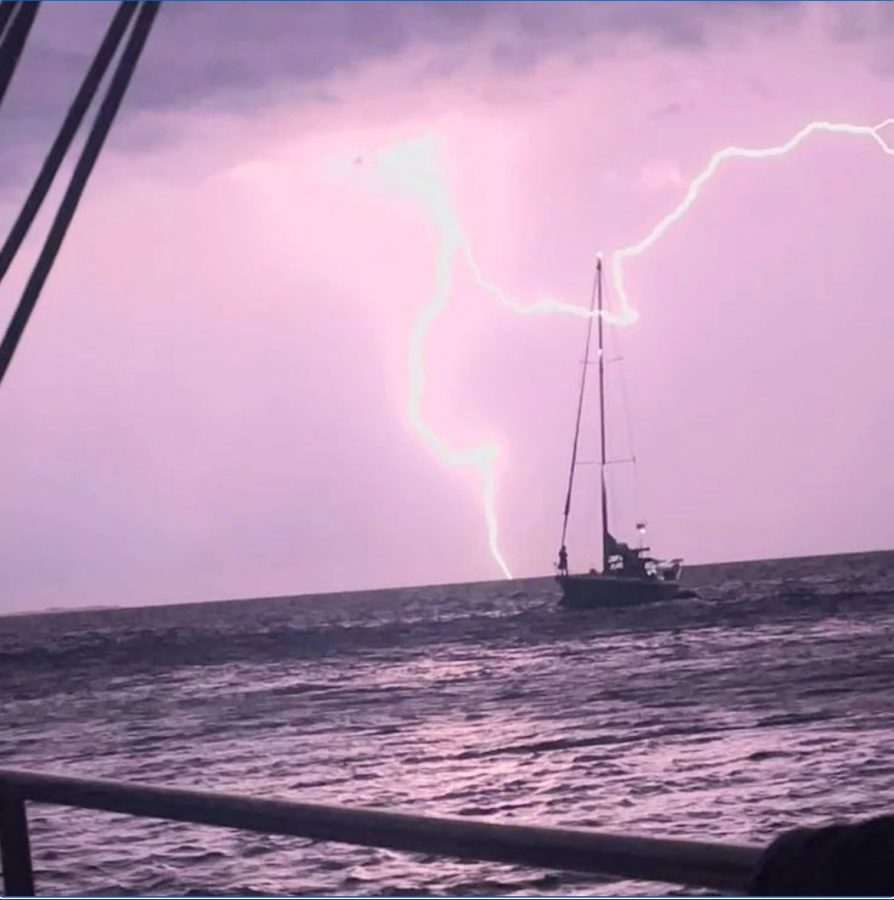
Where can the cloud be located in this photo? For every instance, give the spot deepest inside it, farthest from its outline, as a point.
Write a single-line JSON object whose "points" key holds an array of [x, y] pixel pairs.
{"points": [[239, 58], [224, 49], [236, 55]]}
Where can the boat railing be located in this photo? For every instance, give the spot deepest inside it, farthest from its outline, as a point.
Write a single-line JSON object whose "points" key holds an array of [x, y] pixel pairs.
{"points": [[724, 867]]}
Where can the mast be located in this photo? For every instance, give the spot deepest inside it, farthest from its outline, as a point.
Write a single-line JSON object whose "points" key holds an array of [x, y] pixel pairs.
{"points": [[600, 357], [563, 555]]}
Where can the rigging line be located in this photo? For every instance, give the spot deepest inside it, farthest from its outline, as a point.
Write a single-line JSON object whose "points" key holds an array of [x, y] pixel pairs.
{"points": [[628, 422], [61, 145], [580, 406], [15, 36], [87, 160]]}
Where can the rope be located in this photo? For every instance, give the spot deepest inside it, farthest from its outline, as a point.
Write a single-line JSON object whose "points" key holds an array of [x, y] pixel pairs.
{"points": [[62, 144], [628, 422], [89, 155], [19, 19], [7, 7]]}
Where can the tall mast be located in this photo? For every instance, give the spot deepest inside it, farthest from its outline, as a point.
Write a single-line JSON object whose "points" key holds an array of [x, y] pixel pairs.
{"points": [[580, 406], [600, 357]]}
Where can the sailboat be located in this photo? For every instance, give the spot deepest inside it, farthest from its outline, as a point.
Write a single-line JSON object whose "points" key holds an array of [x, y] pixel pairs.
{"points": [[628, 575]]}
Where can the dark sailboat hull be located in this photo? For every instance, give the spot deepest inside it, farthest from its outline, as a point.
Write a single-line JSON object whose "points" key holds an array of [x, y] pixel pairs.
{"points": [[598, 591]]}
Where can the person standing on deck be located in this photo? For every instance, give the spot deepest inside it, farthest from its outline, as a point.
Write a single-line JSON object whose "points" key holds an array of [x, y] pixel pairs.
{"points": [[563, 561]]}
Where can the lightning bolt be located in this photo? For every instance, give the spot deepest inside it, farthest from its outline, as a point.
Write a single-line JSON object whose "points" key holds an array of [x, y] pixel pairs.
{"points": [[619, 257], [431, 188]]}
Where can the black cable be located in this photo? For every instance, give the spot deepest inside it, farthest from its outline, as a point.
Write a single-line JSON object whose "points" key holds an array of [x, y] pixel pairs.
{"points": [[14, 38], [92, 148], [61, 145], [7, 8]]}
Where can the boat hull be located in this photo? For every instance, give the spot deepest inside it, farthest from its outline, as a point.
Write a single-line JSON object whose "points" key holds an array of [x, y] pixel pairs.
{"points": [[598, 591]]}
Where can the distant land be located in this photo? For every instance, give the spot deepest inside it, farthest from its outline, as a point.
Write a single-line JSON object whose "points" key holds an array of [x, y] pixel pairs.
{"points": [[50, 610]]}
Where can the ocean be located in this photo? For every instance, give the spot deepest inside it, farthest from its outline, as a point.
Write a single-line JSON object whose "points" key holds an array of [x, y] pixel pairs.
{"points": [[765, 703]]}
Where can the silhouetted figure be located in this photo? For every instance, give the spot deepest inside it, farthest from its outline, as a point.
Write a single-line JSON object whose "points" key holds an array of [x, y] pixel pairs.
{"points": [[839, 860], [563, 560]]}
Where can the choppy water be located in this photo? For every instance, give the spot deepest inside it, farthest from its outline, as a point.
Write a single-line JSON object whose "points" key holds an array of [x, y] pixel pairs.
{"points": [[766, 703]]}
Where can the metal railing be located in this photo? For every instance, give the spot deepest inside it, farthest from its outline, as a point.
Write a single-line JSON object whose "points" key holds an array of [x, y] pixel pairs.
{"points": [[726, 867]]}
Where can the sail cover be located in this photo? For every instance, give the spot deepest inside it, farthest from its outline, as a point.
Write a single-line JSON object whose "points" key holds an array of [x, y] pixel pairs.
{"points": [[610, 547]]}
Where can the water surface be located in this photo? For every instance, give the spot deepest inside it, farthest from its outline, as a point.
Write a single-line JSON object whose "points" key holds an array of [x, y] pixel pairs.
{"points": [[767, 702]]}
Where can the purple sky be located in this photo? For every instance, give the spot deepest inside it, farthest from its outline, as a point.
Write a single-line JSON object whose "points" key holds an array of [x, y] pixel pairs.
{"points": [[212, 399]]}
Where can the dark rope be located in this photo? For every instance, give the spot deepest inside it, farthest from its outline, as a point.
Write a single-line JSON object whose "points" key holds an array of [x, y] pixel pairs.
{"points": [[7, 8], [95, 140], [580, 406], [14, 38], [62, 144]]}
